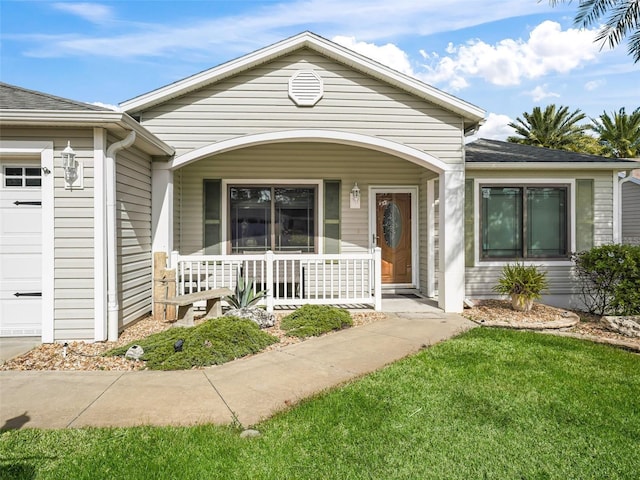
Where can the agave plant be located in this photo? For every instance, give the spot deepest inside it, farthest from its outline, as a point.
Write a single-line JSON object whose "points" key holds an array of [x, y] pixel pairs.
{"points": [[244, 295]]}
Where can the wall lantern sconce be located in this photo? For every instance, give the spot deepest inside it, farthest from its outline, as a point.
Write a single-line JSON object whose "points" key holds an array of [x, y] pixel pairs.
{"points": [[354, 197], [72, 169]]}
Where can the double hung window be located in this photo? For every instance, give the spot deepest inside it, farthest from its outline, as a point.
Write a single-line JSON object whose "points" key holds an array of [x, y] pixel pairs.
{"points": [[524, 222]]}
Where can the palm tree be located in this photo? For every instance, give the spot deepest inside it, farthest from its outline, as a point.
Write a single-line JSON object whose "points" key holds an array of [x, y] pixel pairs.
{"points": [[621, 19], [619, 133], [551, 128]]}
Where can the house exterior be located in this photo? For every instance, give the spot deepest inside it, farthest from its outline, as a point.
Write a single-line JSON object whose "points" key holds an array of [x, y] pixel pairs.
{"points": [[537, 205], [321, 175]]}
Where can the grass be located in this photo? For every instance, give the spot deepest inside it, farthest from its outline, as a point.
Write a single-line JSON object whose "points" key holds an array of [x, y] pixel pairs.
{"points": [[487, 404], [213, 342]]}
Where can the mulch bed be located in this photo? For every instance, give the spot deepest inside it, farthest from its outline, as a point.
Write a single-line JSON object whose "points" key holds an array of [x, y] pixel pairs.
{"points": [[88, 356]]}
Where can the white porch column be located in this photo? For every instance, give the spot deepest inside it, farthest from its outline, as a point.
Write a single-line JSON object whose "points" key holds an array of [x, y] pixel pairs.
{"points": [[162, 208], [451, 278]]}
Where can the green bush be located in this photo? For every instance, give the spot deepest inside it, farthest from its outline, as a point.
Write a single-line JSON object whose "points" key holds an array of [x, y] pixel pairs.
{"points": [[609, 278], [213, 342], [312, 320]]}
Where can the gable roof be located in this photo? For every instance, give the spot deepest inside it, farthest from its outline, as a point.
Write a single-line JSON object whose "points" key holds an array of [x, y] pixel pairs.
{"points": [[471, 114], [17, 98], [488, 153]]}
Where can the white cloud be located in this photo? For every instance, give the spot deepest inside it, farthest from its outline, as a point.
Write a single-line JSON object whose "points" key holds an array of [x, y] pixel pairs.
{"points": [[115, 108], [389, 54], [549, 49], [495, 127], [541, 92], [93, 12], [368, 20], [593, 85]]}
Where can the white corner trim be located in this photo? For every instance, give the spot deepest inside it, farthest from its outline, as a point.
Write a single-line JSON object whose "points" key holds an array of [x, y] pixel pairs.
{"points": [[617, 211], [396, 149], [43, 149], [516, 181], [100, 235]]}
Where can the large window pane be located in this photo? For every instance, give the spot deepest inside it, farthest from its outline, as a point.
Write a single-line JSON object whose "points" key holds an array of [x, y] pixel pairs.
{"points": [[546, 222], [502, 222], [524, 222], [295, 211], [250, 219]]}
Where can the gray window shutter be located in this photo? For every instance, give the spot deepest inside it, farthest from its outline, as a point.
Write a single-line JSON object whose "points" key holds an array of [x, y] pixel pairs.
{"points": [[584, 214], [332, 216], [469, 245], [212, 233]]}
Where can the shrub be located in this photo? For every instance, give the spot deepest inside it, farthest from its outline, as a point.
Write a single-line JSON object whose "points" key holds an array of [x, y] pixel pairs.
{"points": [[609, 277], [524, 283], [312, 320], [213, 342]]}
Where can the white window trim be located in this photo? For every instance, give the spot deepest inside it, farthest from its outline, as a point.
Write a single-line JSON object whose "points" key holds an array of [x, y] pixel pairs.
{"points": [[516, 182], [319, 184], [44, 151], [415, 247]]}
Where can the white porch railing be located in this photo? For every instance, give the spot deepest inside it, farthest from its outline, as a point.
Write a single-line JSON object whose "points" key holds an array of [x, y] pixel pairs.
{"points": [[288, 278]]}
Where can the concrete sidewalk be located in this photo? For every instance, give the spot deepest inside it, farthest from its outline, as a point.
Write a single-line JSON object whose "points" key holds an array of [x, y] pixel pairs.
{"points": [[253, 388]]}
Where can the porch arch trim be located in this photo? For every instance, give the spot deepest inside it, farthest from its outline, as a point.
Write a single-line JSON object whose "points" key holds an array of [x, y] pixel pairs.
{"points": [[324, 136]]}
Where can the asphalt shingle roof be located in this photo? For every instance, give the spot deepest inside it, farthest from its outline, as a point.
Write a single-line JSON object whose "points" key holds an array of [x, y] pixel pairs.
{"points": [[18, 98], [496, 151]]}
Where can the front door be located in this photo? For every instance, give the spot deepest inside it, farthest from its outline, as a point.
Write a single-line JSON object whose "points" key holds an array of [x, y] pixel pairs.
{"points": [[394, 236]]}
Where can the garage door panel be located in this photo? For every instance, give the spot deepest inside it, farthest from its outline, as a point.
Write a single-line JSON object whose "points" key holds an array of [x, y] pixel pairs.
{"points": [[20, 253]]}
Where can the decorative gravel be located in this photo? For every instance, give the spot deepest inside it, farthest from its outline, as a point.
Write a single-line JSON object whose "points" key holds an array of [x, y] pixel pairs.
{"points": [[589, 327], [88, 356]]}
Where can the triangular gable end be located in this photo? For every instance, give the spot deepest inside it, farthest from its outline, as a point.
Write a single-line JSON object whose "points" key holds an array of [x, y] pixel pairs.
{"points": [[471, 114]]}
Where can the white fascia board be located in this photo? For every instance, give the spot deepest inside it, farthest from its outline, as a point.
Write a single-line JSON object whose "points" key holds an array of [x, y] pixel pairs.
{"points": [[84, 118], [323, 46], [549, 166]]}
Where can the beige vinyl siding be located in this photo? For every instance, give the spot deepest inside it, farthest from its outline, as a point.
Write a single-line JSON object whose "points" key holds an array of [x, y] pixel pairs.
{"points": [[631, 213], [562, 291], [312, 162], [73, 228], [133, 199], [257, 101]]}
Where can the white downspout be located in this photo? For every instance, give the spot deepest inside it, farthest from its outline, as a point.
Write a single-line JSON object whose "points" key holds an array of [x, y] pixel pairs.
{"points": [[621, 181], [112, 254]]}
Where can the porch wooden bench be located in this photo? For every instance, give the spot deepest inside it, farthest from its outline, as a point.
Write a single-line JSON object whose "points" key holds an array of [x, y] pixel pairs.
{"points": [[185, 304]]}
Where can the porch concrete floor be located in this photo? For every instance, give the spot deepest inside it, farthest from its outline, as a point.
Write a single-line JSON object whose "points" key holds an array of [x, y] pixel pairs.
{"points": [[254, 388]]}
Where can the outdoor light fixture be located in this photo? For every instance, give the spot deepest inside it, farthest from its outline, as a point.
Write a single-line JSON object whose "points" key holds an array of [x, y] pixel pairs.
{"points": [[72, 168], [355, 196]]}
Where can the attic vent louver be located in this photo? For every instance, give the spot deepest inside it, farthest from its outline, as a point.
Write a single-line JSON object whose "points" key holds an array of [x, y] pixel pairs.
{"points": [[305, 88]]}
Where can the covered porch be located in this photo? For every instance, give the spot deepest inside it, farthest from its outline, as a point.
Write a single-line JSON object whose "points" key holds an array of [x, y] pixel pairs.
{"points": [[348, 254]]}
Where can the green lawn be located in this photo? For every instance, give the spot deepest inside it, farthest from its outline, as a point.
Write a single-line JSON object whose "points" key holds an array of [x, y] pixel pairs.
{"points": [[488, 404]]}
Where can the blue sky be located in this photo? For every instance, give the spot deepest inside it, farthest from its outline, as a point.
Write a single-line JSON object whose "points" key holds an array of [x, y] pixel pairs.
{"points": [[503, 56]]}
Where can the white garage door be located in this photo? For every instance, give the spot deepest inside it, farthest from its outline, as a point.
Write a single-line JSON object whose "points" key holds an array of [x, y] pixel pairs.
{"points": [[20, 249]]}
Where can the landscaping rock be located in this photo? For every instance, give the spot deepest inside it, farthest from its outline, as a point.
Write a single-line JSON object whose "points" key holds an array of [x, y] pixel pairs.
{"points": [[263, 318], [627, 326], [135, 352], [249, 433]]}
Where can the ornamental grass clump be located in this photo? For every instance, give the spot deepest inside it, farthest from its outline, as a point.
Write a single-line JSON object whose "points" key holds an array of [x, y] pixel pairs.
{"points": [[313, 320], [213, 342], [523, 283]]}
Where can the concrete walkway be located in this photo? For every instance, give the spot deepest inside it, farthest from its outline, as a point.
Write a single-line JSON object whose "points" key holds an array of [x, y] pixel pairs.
{"points": [[253, 388]]}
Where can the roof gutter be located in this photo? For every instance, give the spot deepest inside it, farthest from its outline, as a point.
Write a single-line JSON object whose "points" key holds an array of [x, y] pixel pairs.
{"points": [[113, 307]]}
